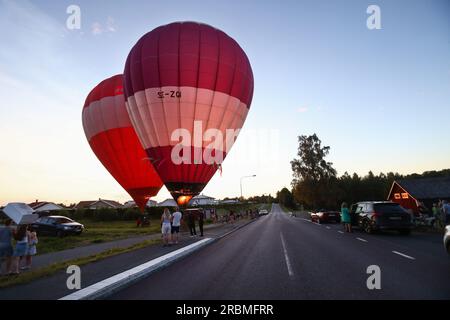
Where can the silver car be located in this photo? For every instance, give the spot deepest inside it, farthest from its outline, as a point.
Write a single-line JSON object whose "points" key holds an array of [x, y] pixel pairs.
{"points": [[447, 239]]}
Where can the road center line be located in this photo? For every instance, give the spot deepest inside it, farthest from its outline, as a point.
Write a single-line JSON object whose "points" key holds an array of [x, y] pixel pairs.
{"points": [[328, 228], [286, 257], [404, 255], [361, 239], [341, 231]]}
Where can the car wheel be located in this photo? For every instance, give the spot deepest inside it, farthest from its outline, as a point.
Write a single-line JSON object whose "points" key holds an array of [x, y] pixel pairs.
{"points": [[368, 228], [60, 234], [405, 232], [448, 247]]}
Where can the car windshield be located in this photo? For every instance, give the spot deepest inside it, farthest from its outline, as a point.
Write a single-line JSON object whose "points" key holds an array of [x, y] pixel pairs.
{"points": [[388, 208], [63, 220]]}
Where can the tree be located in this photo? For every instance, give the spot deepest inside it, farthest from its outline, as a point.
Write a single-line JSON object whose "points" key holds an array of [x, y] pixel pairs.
{"points": [[314, 183], [311, 164], [285, 198]]}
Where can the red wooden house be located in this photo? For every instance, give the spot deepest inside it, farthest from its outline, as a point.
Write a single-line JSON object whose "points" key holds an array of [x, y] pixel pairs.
{"points": [[409, 193]]}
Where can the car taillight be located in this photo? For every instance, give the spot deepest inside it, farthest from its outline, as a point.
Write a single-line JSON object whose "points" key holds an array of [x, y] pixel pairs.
{"points": [[375, 215]]}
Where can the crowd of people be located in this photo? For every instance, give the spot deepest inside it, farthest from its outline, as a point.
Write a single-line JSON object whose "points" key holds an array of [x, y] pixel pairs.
{"points": [[171, 222], [441, 213], [17, 256]]}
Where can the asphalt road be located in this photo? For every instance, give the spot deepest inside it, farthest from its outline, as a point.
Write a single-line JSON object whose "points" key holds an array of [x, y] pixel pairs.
{"points": [[282, 257]]}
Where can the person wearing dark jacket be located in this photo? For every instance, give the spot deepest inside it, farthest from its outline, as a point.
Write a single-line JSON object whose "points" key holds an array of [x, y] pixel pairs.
{"points": [[200, 222], [191, 224]]}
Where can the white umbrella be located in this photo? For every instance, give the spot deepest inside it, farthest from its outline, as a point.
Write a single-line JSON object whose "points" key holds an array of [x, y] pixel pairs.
{"points": [[20, 213]]}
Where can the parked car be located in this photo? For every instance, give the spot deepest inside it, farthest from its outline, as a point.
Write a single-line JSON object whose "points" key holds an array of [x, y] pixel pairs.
{"points": [[447, 239], [263, 212], [323, 216], [383, 215], [57, 226]]}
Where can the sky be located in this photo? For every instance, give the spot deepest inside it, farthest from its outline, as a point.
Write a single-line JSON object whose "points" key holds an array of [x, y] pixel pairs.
{"points": [[380, 98]]}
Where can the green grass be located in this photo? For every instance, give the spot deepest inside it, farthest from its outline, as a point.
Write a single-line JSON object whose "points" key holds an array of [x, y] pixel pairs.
{"points": [[96, 232], [27, 277]]}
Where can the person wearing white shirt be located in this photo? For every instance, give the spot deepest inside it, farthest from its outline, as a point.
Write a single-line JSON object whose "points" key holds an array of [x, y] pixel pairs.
{"points": [[176, 223]]}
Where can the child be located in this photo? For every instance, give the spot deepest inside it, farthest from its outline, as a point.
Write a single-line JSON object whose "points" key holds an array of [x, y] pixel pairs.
{"points": [[32, 242]]}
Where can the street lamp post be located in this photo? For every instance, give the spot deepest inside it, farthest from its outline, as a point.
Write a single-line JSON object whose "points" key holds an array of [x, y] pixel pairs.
{"points": [[252, 176]]}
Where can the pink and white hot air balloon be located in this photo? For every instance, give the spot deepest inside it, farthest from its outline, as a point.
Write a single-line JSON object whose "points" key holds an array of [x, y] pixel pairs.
{"points": [[193, 77]]}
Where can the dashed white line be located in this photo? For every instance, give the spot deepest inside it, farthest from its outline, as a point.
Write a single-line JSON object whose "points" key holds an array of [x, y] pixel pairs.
{"points": [[341, 231], [404, 255], [361, 239], [286, 257], [328, 228]]}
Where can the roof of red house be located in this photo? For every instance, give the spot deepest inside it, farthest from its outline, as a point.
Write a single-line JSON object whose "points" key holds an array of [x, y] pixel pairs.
{"points": [[427, 188]]}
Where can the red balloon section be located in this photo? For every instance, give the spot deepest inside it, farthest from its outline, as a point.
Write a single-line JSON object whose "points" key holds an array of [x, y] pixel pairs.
{"points": [[186, 75], [112, 138]]}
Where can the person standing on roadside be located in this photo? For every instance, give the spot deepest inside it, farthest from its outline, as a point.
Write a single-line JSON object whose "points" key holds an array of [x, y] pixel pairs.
{"points": [[191, 223], [21, 236], [445, 212], [176, 223], [437, 216], [32, 242], [200, 221], [165, 226], [346, 218], [6, 249]]}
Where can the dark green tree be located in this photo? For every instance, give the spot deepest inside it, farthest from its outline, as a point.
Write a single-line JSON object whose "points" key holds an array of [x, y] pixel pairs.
{"points": [[285, 198], [314, 177]]}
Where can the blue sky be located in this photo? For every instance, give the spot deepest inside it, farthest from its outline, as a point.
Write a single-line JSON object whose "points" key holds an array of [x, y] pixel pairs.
{"points": [[379, 98]]}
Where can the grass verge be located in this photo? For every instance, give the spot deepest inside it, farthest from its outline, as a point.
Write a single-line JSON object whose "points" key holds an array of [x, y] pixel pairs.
{"points": [[96, 232], [27, 277]]}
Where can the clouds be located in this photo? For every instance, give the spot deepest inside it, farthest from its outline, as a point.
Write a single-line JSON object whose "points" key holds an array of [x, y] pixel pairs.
{"points": [[98, 28], [302, 109]]}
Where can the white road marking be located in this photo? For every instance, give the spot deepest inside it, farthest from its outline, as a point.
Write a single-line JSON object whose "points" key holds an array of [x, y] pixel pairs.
{"points": [[286, 257], [341, 231], [404, 255], [328, 228], [361, 239]]}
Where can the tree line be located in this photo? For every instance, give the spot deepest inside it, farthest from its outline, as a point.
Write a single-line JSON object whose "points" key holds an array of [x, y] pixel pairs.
{"points": [[316, 185]]}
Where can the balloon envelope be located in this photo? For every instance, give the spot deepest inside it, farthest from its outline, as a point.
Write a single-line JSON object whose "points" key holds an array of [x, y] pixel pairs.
{"points": [[112, 138], [193, 77]]}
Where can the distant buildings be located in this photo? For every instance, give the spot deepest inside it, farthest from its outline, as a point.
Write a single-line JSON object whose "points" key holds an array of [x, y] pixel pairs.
{"points": [[132, 204], [44, 206], [98, 204], [199, 200], [202, 200], [167, 203], [230, 201]]}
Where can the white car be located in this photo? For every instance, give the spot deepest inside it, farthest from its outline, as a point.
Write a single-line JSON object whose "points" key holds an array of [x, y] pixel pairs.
{"points": [[447, 238], [263, 212]]}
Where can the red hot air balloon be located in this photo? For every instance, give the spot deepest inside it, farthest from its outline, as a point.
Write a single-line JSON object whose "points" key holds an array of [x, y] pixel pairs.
{"points": [[187, 79], [112, 138]]}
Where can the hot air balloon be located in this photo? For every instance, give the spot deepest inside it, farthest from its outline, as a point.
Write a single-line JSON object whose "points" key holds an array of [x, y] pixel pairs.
{"points": [[187, 78], [112, 138]]}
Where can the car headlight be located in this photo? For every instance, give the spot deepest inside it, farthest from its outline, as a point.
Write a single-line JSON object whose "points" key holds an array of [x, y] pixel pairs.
{"points": [[67, 228]]}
